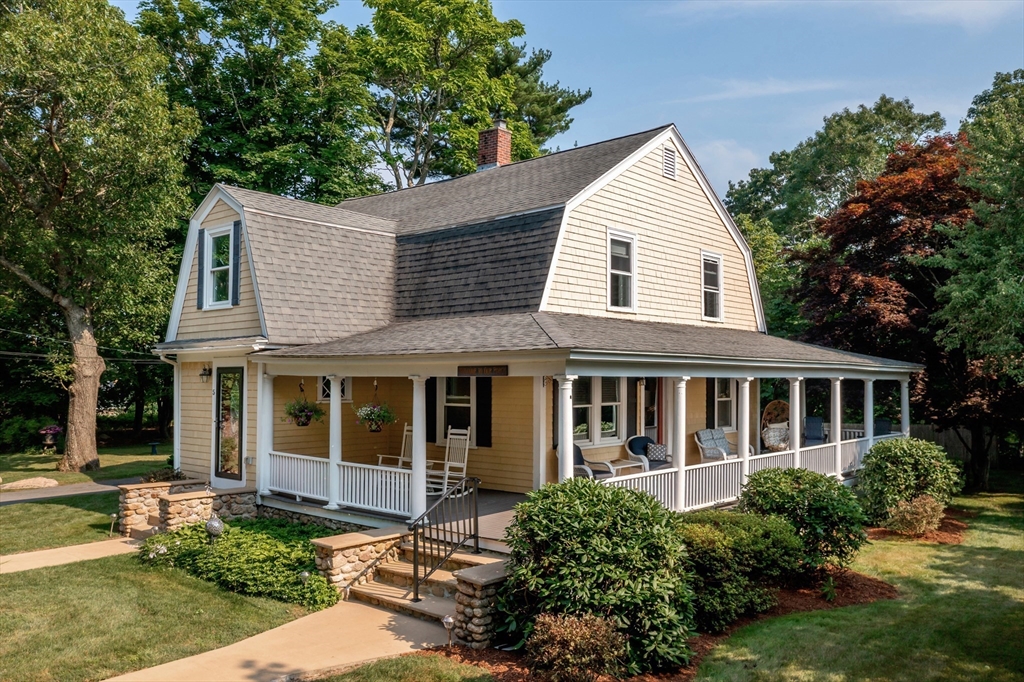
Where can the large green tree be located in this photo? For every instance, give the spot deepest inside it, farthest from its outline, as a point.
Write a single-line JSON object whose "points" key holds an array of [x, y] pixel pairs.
{"points": [[91, 180], [276, 93], [983, 301]]}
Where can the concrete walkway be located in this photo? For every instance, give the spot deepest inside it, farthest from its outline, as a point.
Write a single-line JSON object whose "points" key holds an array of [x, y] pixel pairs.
{"points": [[348, 633], [37, 494], [12, 563]]}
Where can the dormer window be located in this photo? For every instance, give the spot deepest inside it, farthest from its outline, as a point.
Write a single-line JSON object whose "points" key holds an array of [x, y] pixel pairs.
{"points": [[621, 271], [711, 286], [218, 266]]}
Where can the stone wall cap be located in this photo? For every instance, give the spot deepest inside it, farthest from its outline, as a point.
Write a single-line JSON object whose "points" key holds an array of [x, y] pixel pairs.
{"points": [[187, 495], [162, 484], [244, 490], [365, 537], [484, 575]]}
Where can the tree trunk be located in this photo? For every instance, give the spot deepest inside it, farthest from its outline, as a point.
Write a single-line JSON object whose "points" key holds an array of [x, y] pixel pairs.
{"points": [[139, 399], [87, 367], [978, 466]]}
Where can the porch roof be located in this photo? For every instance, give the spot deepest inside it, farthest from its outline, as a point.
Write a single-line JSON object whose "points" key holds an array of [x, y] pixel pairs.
{"points": [[581, 334]]}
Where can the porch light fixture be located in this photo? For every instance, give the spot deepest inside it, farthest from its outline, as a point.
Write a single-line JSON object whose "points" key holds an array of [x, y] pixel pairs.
{"points": [[205, 373], [448, 623]]}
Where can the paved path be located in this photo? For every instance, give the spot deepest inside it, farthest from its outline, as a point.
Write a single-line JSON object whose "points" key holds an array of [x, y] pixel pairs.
{"points": [[12, 563], [37, 494], [348, 633]]}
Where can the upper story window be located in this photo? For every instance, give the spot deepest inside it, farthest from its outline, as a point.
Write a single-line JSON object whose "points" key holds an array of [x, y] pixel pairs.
{"points": [[621, 271], [711, 286], [668, 162], [324, 391], [219, 267], [725, 404], [597, 410]]}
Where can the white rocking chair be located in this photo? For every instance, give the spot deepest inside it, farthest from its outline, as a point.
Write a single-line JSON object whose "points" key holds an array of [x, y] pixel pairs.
{"points": [[405, 458], [456, 456]]}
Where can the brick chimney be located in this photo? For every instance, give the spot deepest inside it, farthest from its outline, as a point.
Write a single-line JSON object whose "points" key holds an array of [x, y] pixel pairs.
{"points": [[495, 147]]}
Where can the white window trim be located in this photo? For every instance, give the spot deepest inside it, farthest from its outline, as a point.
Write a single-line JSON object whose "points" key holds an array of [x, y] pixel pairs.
{"points": [[211, 234], [442, 432], [710, 255], [595, 440], [733, 401], [322, 397], [631, 237]]}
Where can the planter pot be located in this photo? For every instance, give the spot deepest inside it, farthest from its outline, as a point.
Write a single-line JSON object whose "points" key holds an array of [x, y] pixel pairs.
{"points": [[302, 421], [49, 439], [374, 427]]}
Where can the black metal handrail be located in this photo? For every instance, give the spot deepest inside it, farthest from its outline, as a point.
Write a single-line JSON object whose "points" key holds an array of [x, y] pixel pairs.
{"points": [[449, 523]]}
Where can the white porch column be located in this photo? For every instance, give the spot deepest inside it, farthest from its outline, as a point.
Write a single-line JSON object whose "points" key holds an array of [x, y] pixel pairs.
{"points": [[418, 494], [333, 470], [679, 443], [905, 406], [565, 441], [837, 423], [796, 425], [744, 427], [264, 429], [869, 411]]}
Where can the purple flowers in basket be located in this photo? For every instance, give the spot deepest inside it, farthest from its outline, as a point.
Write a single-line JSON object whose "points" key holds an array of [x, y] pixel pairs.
{"points": [[51, 430]]}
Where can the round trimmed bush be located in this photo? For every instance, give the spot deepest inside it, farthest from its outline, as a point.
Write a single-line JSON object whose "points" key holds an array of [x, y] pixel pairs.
{"points": [[580, 547], [903, 469], [737, 560], [826, 515]]}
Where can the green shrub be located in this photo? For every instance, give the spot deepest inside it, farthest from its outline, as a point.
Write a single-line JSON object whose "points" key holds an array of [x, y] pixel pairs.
{"points": [[826, 515], [580, 547], [901, 469], [575, 648], [917, 517], [736, 561], [246, 561], [18, 433]]}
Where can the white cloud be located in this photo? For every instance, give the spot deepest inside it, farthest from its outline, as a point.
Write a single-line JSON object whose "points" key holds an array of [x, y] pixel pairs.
{"points": [[976, 15], [770, 87], [725, 160]]}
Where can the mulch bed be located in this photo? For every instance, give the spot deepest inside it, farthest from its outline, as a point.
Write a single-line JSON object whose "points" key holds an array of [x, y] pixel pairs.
{"points": [[850, 587], [950, 531]]}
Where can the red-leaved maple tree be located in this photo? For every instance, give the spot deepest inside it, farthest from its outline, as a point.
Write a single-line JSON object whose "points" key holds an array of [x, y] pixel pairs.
{"points": [[868, 287]]}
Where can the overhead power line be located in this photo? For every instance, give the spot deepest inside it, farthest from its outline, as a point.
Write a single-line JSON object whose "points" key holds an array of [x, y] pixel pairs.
{"points": [[88, 345], [44, 356]]}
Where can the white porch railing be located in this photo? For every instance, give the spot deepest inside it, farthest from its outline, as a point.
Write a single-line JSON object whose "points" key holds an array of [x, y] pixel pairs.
{"points": [[298, 475], [658, 483], [712, 483], [819, 458], [374, 488], [772, 460]]}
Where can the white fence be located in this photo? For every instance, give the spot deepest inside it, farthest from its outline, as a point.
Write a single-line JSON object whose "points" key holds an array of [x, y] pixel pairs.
{"points": [[298, 475], [374, 488], [715, 483]]}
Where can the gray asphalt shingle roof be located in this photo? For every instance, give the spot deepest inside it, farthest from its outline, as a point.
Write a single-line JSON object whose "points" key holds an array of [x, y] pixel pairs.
{"points": [[560, 331], [545, 181], [306, 210]]}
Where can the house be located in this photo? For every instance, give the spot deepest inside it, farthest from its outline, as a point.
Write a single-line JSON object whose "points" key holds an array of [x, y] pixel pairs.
{"points": [[578, 298]]}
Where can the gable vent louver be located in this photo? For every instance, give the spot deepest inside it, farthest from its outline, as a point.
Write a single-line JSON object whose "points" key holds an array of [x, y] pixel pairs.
{"points": [[668, 164]]}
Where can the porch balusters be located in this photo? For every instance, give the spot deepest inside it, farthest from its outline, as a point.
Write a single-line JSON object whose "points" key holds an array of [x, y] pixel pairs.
{"points": [[264, 430], [905, 406], [837, 423], [679, 443], [419, 446], [796, 424], [744, 427], [565, 435], [334, 470]]}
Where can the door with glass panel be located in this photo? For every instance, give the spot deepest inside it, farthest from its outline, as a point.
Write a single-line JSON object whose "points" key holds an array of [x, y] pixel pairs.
{"points": [[228, 432]]}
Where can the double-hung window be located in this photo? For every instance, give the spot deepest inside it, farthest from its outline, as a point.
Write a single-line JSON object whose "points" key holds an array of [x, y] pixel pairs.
{"points": [[218, 267], [725, 404], [621, 271], [324, 391], [597, 410], [711, 286], [456, 407]]}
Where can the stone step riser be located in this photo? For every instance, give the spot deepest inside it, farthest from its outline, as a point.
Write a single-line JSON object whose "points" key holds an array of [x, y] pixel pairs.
{"points": [[142, 532], [450, 565], [397, 608], [438, 588]]}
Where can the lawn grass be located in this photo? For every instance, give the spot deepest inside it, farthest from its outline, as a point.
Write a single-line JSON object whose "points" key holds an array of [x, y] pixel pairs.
{"points": [[57, 522], [96, 619], [414, 669], [120, 462], [960, 615]]}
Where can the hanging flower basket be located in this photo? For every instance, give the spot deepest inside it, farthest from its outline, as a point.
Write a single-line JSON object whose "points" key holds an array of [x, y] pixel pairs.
{"points": [[375, 416], [50, 433], [302, 412]]}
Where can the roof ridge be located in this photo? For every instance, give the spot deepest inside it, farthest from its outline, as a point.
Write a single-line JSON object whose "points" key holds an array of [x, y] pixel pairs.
{"points": [[330, 207]]}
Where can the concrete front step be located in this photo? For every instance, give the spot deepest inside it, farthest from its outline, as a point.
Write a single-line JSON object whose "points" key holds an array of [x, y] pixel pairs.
{"points": [[400, 599], [461, 559], [441, 583], [142, 532]]}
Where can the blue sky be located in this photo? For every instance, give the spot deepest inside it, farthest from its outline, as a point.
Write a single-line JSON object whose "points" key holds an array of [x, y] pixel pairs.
{"points": [[744, 78]]}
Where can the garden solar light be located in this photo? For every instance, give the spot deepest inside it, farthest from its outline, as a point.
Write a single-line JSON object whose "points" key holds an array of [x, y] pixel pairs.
{"points": [[448, 623], [113, 520], [304, 577], [214, 527]]}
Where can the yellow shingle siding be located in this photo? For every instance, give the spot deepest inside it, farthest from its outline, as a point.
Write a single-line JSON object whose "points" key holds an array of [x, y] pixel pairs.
{"points": [[673, 220]]}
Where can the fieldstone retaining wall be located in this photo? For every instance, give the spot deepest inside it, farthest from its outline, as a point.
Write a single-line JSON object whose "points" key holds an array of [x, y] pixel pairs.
{"points": [[140, 500], [297, 517], [351, 559], [476, 603], [168, 505], [183, 508]]}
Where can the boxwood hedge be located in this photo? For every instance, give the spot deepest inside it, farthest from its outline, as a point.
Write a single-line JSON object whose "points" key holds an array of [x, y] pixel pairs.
{"points": [[903, 469]]}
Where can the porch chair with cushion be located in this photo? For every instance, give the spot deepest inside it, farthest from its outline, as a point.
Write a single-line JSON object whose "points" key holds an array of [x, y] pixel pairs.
{"points": [[714, 446], [644, 450], [580, 468], [883, 427], [404, 459], [814, 431], [631, 465], [445, 474]]}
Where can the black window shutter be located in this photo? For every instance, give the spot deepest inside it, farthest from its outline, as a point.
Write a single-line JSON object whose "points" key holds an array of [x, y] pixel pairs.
{"points": [[631, 406], [554, 414], [483, 412], [710, 421], [236, 253], [201, 275], [432, 410]]}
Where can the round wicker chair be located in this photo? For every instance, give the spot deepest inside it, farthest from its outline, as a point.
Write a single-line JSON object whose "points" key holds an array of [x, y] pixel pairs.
{"points": [[775, 425]]}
